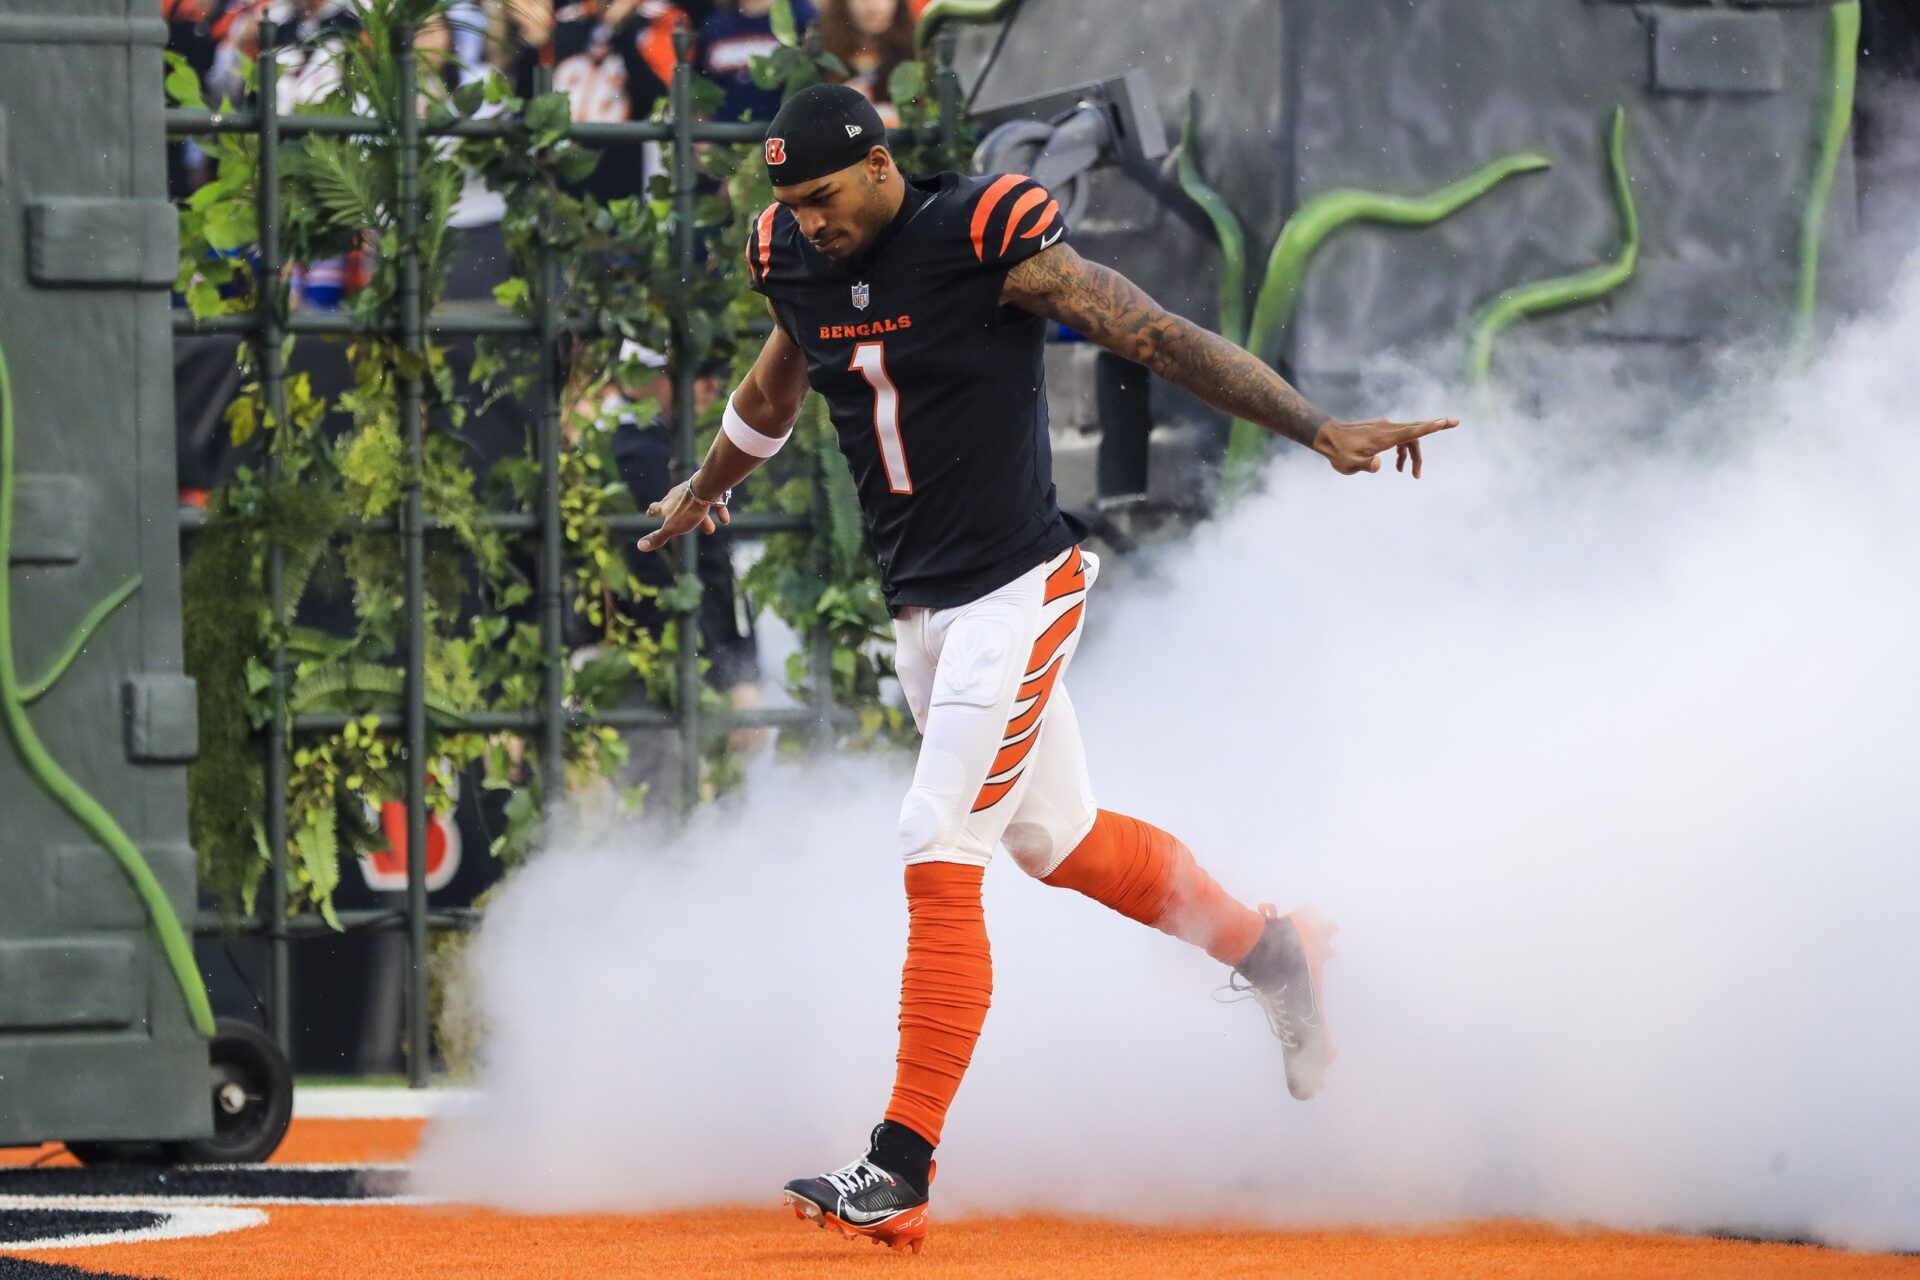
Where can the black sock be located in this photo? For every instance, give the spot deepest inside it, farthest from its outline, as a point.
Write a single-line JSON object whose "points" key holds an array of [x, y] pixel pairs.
{"points": [[902, 1153], [1276, 959]]}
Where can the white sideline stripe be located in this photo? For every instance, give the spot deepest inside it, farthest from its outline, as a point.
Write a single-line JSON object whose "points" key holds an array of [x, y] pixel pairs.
{"points": [[351, 1102], [357, 1166], [170, 1204], [181, 1222]]}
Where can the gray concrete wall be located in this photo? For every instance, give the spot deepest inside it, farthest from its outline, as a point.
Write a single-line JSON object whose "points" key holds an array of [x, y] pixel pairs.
{"points": [[1725, 106]]}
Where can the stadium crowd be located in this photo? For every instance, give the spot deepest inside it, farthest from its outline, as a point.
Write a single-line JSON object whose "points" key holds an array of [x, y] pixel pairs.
{"points": [[613, 57]]}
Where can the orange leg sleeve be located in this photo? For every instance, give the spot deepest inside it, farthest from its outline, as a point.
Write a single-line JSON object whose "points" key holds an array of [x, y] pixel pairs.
{"points": [[944, 992], [1147, 875]]}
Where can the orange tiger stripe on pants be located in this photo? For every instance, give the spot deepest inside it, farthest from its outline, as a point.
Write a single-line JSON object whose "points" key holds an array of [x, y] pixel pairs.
{"points": [[1042, 672]]}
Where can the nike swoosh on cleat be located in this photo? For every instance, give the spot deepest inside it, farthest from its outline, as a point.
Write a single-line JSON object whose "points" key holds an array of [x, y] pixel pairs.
{"points": [[859, 1219]]}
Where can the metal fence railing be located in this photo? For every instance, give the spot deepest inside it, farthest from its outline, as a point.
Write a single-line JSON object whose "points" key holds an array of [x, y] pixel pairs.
{"points": [[266, 328]]}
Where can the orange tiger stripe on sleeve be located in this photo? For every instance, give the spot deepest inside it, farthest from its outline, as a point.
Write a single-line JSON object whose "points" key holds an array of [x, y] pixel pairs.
{"points": [[1047, 216], [1020, 207], [763, 237], [984, 210]]}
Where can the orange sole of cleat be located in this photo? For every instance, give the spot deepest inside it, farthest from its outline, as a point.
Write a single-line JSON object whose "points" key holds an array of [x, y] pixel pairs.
{"points": [[902, 1235]]}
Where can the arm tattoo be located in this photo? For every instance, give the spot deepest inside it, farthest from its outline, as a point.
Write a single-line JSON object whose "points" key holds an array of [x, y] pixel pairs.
{"points": [[1116, 313]]}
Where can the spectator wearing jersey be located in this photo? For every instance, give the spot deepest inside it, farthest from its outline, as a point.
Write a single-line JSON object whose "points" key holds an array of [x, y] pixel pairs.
{"points": [[190, 33], [453, 44], [730, 38], [309, 33], [308, 37], [613, 59], [872, 37], [190, 30]]}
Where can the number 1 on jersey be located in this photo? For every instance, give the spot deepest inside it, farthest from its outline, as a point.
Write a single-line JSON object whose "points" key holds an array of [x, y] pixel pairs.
{"points": [[870, 361]]}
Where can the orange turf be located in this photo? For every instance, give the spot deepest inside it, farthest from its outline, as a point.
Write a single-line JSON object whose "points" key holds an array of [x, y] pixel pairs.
{"points": [[316, 1242], [307, 1142], [347, 1242]]}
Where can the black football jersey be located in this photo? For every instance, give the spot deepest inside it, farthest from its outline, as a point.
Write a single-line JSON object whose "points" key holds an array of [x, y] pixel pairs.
{"points": [[936, 389]]}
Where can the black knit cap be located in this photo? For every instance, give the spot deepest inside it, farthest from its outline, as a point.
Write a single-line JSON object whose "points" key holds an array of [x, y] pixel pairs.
{"points": [[819, 130]]}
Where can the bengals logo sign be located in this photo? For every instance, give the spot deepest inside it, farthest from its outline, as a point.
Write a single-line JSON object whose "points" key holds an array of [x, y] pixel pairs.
{"points": [[776, 150], [385, 870]]}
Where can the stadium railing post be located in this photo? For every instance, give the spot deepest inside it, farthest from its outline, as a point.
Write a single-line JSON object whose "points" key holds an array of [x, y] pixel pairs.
{"points": [[273, 378], [820, 643], [946, 92], [553, 764], [413, 538], [687, 675]]}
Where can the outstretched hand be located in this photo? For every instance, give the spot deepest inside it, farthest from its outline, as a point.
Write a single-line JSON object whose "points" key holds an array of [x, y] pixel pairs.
{"points": [[1353, 447], [680, 512]]}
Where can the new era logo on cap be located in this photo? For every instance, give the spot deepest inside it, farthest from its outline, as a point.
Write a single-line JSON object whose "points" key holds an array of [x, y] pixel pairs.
{"points": [[853, 131]]}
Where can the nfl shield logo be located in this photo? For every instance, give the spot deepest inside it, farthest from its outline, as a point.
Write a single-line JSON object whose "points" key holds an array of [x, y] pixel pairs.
{"points": [[860, 295]]}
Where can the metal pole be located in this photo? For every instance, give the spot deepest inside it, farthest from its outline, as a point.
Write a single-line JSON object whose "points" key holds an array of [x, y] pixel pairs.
{"points": [[553, 768], [947, 94], [688, 669], [413, 538], [820, 642], [273, 378], [193, 120]]}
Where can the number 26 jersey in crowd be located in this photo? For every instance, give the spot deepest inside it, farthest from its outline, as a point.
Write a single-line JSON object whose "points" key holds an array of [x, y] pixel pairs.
{"points": [[936, 389]]}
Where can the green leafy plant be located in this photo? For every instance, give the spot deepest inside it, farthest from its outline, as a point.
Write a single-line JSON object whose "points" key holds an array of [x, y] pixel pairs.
{"points": [[339, 472]]}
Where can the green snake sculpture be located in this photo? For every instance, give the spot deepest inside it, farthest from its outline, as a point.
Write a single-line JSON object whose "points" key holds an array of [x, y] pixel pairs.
{"points": [[17, 695]]}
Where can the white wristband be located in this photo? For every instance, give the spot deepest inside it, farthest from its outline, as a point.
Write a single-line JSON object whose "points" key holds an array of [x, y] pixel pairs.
{"points": [[746, 438]]}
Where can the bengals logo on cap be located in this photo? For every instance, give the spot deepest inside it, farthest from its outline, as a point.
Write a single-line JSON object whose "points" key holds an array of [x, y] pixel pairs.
{"points": [[776, 150]]}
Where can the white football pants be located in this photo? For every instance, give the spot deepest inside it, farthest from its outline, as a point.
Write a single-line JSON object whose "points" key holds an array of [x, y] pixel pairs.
{"points": [[1000, 753]]}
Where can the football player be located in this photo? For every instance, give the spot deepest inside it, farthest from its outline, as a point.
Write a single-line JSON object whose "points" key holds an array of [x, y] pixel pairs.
{"points": [[917, 309]]}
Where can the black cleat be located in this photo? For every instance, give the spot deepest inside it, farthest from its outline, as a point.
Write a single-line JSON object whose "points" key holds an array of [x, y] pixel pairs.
{"points": [[1282, 975], [863, 1202]]}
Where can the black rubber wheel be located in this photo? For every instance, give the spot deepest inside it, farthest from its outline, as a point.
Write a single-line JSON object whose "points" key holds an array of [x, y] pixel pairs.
{"points": [[252, 1097], [251, 1092]]}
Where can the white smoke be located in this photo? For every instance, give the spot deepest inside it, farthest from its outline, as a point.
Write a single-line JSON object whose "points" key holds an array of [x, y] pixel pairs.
{"points": [[1601, 753]]}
